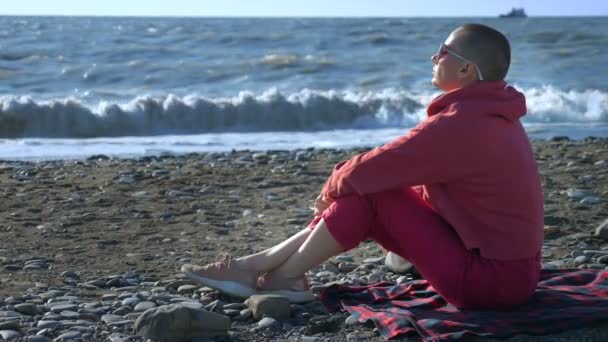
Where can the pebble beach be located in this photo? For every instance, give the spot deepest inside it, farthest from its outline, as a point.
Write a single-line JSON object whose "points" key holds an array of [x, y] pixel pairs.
{"points": [[88, 246]]}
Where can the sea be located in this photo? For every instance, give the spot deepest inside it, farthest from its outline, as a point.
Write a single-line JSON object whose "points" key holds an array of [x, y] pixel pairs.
{"points": [[72, 87]]}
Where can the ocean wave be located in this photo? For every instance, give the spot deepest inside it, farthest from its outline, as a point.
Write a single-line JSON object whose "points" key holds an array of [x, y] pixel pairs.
{"points": [[306, 110], [548, 104]]}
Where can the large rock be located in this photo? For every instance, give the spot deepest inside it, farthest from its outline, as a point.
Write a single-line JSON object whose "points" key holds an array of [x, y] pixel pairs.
{"points": [[174, 323], [268, 305]]}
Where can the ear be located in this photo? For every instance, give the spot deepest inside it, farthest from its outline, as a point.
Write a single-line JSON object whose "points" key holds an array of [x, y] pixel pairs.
{"points": [[465, 71]]}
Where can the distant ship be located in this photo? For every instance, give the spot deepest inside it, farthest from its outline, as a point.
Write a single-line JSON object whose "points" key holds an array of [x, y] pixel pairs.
{"points": [[515, 13]]}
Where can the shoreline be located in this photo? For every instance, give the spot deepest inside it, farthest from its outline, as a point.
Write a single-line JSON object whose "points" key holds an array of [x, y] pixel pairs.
{"points": [[200, 154], [90, 227]]}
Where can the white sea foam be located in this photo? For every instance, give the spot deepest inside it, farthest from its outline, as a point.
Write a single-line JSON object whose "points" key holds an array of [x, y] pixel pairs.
{"points": [[271, 111], [551, 105]]}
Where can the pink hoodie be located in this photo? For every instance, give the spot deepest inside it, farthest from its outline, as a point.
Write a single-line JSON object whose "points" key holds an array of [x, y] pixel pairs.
{"points": [[475, 163]]}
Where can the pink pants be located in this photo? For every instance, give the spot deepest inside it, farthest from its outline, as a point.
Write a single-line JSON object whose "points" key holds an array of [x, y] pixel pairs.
{"points": [[403, 223]]}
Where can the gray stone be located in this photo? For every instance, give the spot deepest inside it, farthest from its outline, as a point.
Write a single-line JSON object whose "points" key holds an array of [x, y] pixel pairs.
{"points": [[374, 261], [131, 301], [69, 314], [350, 320], [69, 274], [175, 322], [346, 266], [602, 230], [594, 253], [375, 277], [57, 308], [184, 289], [246, 314], [157, 173], [232, 312], [34, 267], [126, 180], [29, 309], [192, 304], [109, 318], [331, 268], [326, 274], [10, 325], [123, 310], [603, 259], [397, 264], [268, 323], [10, 335], [268, 305], [578, 194], [309, 339], [38, 338], [109, 296], [122, 323], [43, 324], [143, 306], [236, 306], [118, 337], [68, 336], [591, 200], [402, 279], [579, 260], [344, 258], [360, 336]]}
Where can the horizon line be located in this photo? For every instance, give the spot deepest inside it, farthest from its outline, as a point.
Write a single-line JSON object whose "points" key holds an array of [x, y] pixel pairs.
{"points": [[298, 17]]}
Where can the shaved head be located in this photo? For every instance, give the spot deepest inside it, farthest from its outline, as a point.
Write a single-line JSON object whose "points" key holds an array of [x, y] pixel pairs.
{"points": [[486, 47]]}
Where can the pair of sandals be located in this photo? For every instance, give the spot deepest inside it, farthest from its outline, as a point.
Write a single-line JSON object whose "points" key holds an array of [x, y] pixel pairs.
{"points": [[239, 290]]}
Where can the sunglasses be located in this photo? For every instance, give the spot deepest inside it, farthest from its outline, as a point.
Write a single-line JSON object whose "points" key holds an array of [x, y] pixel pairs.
{"points": [[443, 50]]}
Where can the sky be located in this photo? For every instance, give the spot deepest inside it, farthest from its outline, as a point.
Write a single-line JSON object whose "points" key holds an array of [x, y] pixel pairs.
{"points": [[303, 8]]}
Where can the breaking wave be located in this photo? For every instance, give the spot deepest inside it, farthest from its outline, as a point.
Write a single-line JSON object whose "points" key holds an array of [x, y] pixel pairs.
{"points": [[306, 110]]}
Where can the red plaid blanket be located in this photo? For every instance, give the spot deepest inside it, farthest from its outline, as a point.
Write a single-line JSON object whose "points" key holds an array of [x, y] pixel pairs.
{"points": [[564, 299]]}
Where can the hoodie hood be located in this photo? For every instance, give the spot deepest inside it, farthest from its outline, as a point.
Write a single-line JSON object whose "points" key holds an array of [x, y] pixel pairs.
{"points": [[483, 97]]}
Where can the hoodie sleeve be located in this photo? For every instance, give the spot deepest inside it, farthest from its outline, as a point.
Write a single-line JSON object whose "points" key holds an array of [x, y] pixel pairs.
{"points": [[437, 150]]}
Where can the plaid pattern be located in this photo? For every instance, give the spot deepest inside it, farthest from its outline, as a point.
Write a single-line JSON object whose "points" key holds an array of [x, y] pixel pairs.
{"points": [[564, 299]]}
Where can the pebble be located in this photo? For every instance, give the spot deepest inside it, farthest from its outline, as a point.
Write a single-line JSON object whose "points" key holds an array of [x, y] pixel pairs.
{"points": [[27, 309], [126, 180], [374, 261], [10, 335], [581, 259], [186, 289], [63, 307], [68, 311], [110, 318], [602, 230], [268, 323], [50, 324], [68, 336], [143, 306], [350, 320], [578, 194], [591, 200], [38, 338]]}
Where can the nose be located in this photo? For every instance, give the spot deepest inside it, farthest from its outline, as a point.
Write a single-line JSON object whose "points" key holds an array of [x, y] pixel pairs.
{"points": [[434, 58]]}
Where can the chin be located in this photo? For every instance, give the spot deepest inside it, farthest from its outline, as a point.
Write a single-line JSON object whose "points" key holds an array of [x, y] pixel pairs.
{"points": [[435, 83]]}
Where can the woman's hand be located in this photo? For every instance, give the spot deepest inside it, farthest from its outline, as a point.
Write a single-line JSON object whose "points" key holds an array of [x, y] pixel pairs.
{"points": [[322, 203]]}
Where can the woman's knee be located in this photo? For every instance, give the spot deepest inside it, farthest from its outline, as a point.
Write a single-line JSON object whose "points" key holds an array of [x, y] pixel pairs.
{"points": [[349, 220]]}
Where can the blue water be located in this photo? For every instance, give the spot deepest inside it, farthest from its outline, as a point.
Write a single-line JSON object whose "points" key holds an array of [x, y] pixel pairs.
{"points": [[73, 86]]}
